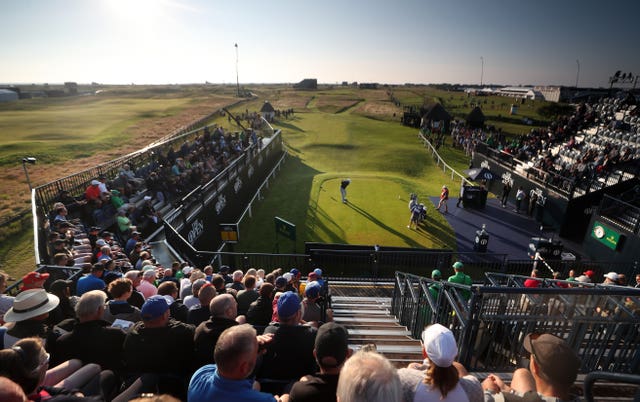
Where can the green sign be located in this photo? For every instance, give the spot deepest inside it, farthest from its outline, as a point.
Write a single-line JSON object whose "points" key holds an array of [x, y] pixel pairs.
{"points": [[284, 228], [606, 235]]}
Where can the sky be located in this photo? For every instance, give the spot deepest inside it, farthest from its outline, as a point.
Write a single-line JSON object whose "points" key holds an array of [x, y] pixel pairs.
{"points": [[515, 42]]}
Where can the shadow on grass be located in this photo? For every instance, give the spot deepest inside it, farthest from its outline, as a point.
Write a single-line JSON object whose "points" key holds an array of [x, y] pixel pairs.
{"points": [[290, 126], [373, 219]]}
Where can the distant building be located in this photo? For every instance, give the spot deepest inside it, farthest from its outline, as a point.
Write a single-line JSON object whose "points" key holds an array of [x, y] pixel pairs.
{"points": [[267, 111], [7, 95], [368, 85], [307, 83], [72, 87]]}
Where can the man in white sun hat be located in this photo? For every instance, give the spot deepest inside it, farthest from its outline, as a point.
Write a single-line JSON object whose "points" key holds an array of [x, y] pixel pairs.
{"points": [[29, 311]]}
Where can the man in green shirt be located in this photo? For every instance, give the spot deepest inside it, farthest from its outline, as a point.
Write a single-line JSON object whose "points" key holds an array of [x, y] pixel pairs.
{"points": [[461, 278], [434, 289]]}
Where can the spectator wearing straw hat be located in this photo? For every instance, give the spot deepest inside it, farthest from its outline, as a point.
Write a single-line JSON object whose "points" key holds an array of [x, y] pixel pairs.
{"points": [[29, 311]]}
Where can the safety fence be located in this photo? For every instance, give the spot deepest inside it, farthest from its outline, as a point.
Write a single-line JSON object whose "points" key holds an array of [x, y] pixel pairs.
{"points": [[490, 321]]}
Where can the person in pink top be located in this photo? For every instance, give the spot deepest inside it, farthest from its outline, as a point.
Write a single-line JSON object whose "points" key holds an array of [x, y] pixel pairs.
{"points": [[147, 285]]}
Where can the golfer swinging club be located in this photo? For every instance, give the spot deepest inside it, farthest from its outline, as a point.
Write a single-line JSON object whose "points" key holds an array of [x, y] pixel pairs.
{"points": [[343, 189]]}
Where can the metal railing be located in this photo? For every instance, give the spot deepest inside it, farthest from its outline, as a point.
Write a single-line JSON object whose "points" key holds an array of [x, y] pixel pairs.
{"points": [[622, 214], [55, 272], [440, 161], [600, 323]]}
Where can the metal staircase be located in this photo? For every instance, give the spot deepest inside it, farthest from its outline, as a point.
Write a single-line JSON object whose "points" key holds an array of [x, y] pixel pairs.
{"points": [[369, 321]]}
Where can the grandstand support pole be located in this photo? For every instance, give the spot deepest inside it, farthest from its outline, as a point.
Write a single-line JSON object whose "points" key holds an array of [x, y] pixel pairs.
{"points": [[32, 161], [237, 79]]}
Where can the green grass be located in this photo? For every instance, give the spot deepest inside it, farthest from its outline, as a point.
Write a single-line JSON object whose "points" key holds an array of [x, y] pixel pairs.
{"points": [[385, 161], [335, 133]]}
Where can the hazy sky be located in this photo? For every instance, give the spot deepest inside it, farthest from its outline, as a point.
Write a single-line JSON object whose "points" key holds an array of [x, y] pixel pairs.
{"points": [[393, 41]]}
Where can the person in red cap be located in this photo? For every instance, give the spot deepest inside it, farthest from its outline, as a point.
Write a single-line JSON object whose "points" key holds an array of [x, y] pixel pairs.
{"points": [[590, 274], [34, 280]]}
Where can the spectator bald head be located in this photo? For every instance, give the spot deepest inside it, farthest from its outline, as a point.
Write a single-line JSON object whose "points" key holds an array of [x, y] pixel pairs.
{"points": [[236, 352], [224, 306]]}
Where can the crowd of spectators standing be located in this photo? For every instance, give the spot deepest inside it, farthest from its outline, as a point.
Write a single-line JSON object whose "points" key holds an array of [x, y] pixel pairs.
{"points": [[598, 138]]}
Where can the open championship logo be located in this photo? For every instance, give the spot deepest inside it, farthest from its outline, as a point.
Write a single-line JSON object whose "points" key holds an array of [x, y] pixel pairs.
{"points": [[197, 227], [220, 204]]}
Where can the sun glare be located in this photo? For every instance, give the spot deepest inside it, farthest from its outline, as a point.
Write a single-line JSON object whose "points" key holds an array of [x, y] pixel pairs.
{"points": [[136, 10]]}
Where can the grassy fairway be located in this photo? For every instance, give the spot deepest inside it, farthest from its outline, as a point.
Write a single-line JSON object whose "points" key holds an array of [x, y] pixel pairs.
{"points": [[328, 141]]}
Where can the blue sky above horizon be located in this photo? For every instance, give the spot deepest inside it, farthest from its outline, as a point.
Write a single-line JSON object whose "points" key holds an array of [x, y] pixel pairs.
{"points": [[407, 41]]}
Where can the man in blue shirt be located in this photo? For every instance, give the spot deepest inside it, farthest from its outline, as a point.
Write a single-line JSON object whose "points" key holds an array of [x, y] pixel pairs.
{"points": [[91, 281], [228, 380]]}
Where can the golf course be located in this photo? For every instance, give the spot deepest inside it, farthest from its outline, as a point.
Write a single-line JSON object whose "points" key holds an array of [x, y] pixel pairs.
{"points": [[335, 133]]}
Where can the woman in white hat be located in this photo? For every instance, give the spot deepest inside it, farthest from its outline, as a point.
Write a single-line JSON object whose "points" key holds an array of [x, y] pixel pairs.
{"points": [[440, 378], [28, 313]]}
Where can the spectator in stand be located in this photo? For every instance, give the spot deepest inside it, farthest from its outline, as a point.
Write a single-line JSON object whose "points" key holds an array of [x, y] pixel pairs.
{"points": [[439, 377], [237, 277], [610, 279], [124, 223], [119, 308], [34, 280], [224, 272], [177, 310], [186, 287], [27, 364], [147, 285], [331, 350], [368, 377], [290, 355], [104, 188], [295, 281], [65, 309], [261, 310], [201, 313], [91, 331], [235, 354], [131, 178], [553, 369], [131, 244], [137, 298], [223, 311], [11, 392], [208, 272], [637, 286], [160, 346], [248, 295], [532, 282], [92, 280], [92, 193], [590, 274], [5, 301], [29, 311], [622, 280], [192, 299], [311, 311], [169, 276]]}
